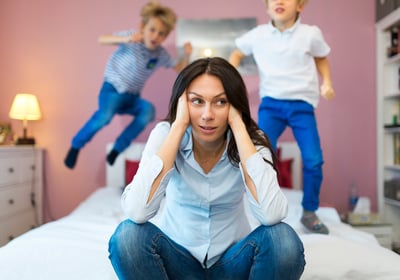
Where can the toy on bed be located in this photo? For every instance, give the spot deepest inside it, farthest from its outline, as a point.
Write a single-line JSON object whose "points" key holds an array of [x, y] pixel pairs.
{"points": [[76, 246]]}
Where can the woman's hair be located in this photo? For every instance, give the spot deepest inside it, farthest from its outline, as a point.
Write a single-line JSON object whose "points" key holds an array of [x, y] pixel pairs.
{"points": [[235, 90], [165, 14]]}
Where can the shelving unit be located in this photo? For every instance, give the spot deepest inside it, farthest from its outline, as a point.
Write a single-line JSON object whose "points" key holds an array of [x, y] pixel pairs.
{"points": [[388, 115]]}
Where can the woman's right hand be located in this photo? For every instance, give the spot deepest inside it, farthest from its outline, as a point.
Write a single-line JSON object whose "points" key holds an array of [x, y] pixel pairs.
{"points": [[182, 111]]}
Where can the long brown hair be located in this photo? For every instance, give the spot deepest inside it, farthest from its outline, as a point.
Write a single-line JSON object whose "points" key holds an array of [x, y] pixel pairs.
{"points": [[236, 92]]}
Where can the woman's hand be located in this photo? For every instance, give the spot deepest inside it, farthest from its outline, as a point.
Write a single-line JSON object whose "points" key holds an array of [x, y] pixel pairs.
{"points": [[234, 116], [182, 111]]}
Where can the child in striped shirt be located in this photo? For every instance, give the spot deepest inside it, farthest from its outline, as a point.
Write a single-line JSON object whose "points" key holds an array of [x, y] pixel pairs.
{"points": [[138, 56]]}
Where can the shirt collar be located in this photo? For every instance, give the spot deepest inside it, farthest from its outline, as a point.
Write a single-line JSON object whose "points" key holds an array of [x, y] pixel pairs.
{"points": [[289, 30]]}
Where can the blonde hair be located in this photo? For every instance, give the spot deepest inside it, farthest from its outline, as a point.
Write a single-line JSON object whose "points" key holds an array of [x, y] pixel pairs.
{"points": [[301, 2], [165, 14]]}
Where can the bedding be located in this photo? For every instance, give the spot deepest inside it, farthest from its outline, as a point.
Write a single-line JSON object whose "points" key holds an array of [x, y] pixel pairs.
{"points": [[75, 247]]}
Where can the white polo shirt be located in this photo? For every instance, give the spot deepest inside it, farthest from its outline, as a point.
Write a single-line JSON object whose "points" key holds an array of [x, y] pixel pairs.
{"points": [[285, 60]]}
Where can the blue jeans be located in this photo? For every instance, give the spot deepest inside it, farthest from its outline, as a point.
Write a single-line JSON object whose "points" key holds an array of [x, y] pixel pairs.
{"points": [[273, 117], [111, 103], [143, 251]]}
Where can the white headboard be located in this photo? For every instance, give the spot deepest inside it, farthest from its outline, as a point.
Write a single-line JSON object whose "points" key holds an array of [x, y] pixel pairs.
{"points": [[115, 174]]}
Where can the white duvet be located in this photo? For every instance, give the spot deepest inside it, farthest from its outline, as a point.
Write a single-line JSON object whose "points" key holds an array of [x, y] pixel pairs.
{"points": [[75, 247]]}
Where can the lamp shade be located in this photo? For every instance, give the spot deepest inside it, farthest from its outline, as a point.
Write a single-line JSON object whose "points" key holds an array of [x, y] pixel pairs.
{"points": [[25, 107]]}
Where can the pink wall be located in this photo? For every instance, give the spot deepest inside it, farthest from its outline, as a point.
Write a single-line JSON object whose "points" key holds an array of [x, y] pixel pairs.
{"points": [[50, 48]]}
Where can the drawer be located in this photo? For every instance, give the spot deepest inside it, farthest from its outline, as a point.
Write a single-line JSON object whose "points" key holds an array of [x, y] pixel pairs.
{"points": [[23, 167], [28, 168], [14, 200], [15, 226], [9, 171]]}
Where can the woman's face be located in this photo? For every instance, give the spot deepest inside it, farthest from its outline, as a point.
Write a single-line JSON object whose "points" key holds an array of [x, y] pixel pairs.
{"points": [[208, 110]]}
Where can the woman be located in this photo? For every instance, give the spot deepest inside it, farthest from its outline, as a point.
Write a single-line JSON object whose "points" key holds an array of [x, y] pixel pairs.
{"points": [[203, 162]]}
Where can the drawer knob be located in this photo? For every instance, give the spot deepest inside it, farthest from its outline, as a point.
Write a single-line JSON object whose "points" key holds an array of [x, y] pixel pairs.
{"points": [[11, 201], [33, 167], [11, 170]]}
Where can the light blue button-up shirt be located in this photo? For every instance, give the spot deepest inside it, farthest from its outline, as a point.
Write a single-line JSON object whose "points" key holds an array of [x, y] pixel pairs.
{"points": [[202, 212]]}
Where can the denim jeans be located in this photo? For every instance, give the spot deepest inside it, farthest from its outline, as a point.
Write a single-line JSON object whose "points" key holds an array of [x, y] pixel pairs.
{"points": [[111, 103], [273, 117], [143, 251]]}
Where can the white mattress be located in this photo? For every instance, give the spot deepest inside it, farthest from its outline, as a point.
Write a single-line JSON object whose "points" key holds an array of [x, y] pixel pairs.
{"points": [[75, 247]]}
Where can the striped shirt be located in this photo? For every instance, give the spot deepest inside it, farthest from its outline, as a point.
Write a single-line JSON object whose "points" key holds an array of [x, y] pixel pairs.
{"points": [[132, 64]]}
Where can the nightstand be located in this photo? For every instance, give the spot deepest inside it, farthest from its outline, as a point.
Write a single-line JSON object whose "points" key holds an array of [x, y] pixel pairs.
{"points": [[381, 231], [21, 190]]}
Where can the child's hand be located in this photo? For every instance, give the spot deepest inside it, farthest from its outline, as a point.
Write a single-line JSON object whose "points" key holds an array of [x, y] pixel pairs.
{"points": [[327, 91], [188, 48], [136, 37]]}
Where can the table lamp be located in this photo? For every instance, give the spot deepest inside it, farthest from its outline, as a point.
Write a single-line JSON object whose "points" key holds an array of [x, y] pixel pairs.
{"points": [[25, 107]]}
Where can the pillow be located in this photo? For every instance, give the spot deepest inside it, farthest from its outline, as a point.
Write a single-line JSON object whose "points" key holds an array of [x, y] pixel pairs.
{"points": [[285, 171], [131, 166]]}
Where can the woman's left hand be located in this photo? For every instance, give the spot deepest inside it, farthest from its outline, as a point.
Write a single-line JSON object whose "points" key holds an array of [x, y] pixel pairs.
{"points": [[234, 116]]}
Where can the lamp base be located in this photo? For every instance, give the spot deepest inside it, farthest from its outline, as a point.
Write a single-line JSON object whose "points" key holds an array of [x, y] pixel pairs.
{"points": [[25, 141]]}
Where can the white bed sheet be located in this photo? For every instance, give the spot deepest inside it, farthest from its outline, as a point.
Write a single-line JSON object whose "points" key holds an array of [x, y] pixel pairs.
{"points": [[75, 247]]}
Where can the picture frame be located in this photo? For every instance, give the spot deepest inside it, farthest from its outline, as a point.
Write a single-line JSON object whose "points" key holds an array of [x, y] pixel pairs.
{"points": [[215, 37], [6, 133]]}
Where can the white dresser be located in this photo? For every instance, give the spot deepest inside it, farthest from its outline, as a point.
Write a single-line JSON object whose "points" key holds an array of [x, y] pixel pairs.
{"points": [[21, 190]]}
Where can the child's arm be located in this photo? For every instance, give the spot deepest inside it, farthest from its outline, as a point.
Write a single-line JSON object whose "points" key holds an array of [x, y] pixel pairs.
{"points": [[323, 69], [185, 60], [115, 39], [236, 57]]}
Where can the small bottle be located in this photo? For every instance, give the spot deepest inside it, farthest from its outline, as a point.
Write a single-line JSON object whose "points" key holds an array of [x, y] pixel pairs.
{"points": [[353, 197]]}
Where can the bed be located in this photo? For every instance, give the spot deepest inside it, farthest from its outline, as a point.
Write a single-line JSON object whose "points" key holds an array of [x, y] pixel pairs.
{"points": [[75, 246]]}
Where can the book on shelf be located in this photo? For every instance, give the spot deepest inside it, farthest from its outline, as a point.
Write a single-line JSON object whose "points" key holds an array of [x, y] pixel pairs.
{"points": [[396, 148], [391, 125]]}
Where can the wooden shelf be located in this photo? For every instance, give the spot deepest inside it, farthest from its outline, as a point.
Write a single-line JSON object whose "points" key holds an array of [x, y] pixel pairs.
{"points": [[392, 202]]}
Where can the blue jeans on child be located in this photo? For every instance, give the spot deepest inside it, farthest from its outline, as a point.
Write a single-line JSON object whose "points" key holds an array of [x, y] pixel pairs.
{"points": [[143, 251], [111, 103], [273, 117]]}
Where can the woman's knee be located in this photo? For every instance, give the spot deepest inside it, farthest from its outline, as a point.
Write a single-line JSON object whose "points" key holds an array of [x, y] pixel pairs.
{"points": [[284, 241], [122, 234]]}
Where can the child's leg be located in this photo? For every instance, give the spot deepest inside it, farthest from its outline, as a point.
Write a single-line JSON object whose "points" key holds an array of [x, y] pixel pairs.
{"points": [[305, 131], [109, 103], [272, 118], [143, 112], [304, 126]]}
